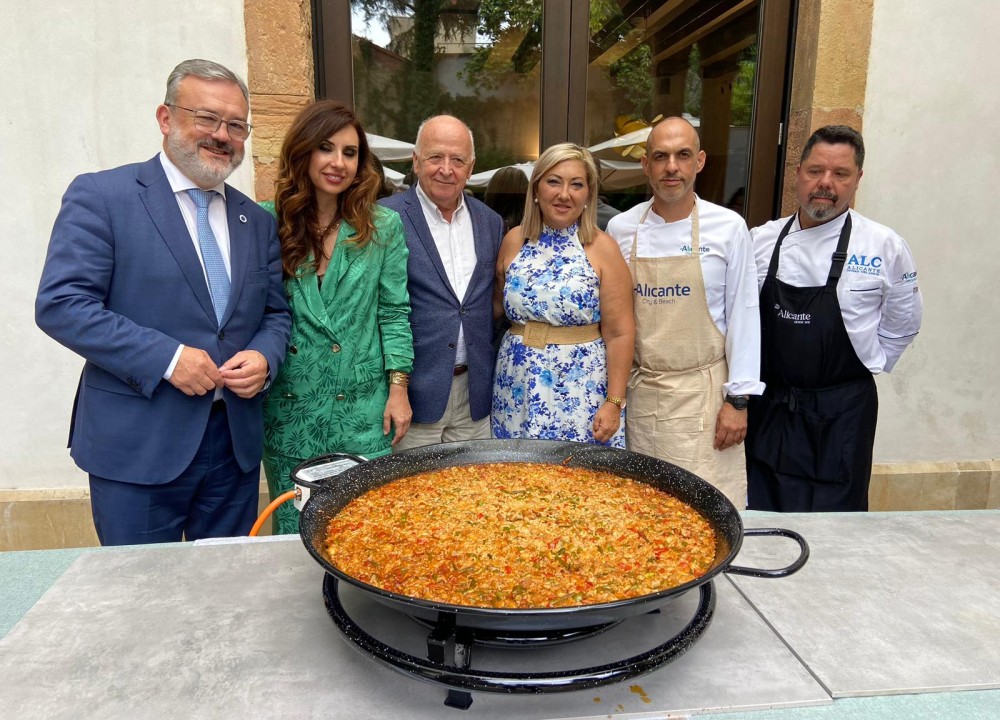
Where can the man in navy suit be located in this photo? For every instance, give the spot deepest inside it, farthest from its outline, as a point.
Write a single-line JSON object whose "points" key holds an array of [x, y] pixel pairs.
{"points": [[168, 282], [453, 241]]}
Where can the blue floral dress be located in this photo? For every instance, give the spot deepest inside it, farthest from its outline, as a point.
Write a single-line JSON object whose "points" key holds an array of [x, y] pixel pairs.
{"points": [[551, 393]]}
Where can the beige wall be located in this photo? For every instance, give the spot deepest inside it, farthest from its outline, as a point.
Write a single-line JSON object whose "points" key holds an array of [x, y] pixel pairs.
{"points": [[79, 88], [932, 110], [918, 80], [79, 91]]}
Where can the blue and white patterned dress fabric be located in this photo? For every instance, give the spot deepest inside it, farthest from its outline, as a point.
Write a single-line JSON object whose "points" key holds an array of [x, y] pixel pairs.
{"points": [[551, 393]]}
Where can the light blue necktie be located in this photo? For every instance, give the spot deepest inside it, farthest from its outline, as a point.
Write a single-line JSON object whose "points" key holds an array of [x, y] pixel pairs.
{"points": [[215, 266]]}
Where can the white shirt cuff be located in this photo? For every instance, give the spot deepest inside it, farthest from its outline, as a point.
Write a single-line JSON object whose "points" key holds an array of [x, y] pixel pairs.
{"points": [[173, 363]]}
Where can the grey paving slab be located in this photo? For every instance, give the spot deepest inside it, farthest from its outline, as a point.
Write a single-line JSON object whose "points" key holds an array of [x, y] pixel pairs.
{"points": [[231, 631], [889, 602]]}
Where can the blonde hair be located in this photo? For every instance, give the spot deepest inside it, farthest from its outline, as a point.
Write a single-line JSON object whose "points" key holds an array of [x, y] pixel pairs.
{"points": [[531, 227]]}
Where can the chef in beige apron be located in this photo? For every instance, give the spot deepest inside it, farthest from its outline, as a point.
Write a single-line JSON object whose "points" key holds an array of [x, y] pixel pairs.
{"points": [[697, 325], [675, 391]]}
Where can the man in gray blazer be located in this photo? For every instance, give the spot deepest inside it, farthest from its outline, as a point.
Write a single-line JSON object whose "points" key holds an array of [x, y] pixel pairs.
{"points": [[453, 241]]}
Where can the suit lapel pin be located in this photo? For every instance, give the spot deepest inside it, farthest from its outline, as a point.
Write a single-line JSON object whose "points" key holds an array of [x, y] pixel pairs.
{"points": [[243, 218]]}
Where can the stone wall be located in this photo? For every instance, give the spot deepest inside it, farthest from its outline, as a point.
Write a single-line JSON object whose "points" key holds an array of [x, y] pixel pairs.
{"points": [[830, 75], [280, 77]]}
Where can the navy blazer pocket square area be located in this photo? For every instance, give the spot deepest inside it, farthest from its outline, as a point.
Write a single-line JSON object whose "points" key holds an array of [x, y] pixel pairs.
{"points": [[259, 276]]}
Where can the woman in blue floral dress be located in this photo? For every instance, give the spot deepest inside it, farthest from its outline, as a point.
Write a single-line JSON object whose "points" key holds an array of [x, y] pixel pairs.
{"points": [[563, 365]]}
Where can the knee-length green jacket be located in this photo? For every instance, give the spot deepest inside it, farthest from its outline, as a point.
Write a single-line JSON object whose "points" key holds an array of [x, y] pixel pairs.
{"points": [[346, 333]]}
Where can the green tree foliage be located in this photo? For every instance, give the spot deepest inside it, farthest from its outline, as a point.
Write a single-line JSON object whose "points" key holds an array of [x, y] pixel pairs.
{"points": [[633, 75], [692, 87], [743, 85]]}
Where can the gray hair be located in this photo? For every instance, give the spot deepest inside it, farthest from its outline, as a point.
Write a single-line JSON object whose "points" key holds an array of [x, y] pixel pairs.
{"points": [[420, 132], [206, 70]]}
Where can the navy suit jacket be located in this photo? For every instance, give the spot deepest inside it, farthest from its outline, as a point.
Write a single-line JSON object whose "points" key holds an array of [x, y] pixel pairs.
{"points": [[123, 287], [436, 311]]}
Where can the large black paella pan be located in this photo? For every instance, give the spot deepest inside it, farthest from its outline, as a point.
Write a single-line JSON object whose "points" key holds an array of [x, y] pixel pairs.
{"points": [[330, 497]]}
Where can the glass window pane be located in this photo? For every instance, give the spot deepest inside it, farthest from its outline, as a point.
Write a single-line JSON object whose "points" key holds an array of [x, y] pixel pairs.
{"points": [[476, 59], [673, 57]]}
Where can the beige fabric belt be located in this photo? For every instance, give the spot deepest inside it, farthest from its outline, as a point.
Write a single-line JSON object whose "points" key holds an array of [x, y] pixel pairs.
{"points": [[539, 334]]}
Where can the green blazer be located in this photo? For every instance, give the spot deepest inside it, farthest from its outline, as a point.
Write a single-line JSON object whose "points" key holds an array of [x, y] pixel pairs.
{"points": [[332, 388]]}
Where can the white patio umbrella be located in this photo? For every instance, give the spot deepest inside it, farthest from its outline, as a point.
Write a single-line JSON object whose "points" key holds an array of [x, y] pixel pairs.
{"points": [[621, 174], [615, 174], [395, 178], [482, 179], [622, 141], [617, 144], [389, 149]]}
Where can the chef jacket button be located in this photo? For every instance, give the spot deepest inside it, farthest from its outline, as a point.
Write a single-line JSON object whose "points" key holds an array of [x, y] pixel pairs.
{"points": [[341, 396], [335, 347]]}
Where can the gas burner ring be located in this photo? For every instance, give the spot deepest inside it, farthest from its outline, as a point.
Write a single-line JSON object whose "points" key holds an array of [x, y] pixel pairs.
{"points": [[457, 674]]}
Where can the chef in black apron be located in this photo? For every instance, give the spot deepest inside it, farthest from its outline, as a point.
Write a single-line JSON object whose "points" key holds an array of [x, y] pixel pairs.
{"points": [[810, 435]]}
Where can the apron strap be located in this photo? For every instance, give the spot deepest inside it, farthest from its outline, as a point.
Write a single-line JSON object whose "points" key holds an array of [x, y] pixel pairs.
{"points": [[695, 230], [772, 268], [838, 258]]}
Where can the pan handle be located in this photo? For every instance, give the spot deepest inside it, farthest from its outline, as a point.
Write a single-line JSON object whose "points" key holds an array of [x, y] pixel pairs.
{"points": [[780, 572], [313, 475]]}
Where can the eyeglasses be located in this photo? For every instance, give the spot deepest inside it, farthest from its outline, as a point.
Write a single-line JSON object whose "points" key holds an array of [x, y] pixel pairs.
{"points": [[456, 161], [209, 122]]}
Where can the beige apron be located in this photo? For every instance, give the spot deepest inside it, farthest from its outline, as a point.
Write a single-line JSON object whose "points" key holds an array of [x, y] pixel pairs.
{"points": [[675, 389]]}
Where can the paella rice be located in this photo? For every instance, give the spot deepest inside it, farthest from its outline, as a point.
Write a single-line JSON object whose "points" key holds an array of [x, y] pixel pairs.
{"points": [[520, 535]]}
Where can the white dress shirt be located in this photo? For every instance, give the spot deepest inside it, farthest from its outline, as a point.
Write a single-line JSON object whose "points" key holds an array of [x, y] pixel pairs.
{"points": [[727, 267], [456, 245], [878, 292], [180, 184]]}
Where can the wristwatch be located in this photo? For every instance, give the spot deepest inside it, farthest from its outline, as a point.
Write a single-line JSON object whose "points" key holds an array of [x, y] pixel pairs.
{"points": [[616, 400], [739, 402]]}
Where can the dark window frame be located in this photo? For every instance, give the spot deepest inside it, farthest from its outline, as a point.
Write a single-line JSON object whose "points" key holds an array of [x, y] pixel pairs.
{"points": [[565, 38]]}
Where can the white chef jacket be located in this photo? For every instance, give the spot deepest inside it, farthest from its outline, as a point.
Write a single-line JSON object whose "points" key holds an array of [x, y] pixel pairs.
{"points": [[456, 244], [727, 266], [878, 292]]}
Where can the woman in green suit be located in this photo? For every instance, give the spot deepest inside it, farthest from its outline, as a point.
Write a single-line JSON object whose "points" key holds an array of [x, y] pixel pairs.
{"points": [[342, 387]]}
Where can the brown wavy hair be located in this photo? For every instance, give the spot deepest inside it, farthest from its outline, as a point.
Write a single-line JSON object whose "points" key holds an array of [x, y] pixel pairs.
{"points": [[295, 196]]}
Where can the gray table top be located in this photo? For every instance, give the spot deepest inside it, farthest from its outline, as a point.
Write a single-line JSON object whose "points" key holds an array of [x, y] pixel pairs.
{"points": [[888, 603]]}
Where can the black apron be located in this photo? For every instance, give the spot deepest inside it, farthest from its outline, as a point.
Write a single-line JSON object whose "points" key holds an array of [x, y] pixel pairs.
{"points": [[810, 435]]}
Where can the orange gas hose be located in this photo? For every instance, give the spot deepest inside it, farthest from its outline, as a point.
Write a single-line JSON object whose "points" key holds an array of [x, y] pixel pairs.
{"points": [[270, 509]]}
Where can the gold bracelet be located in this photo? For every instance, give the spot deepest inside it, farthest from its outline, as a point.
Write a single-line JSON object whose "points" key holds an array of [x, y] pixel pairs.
{"points": [[397, 377], [615, 400]]}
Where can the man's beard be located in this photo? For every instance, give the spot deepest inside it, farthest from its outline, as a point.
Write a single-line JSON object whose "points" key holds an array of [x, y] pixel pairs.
{"points": [[821, 212], [188, 159], [673, 194]]}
